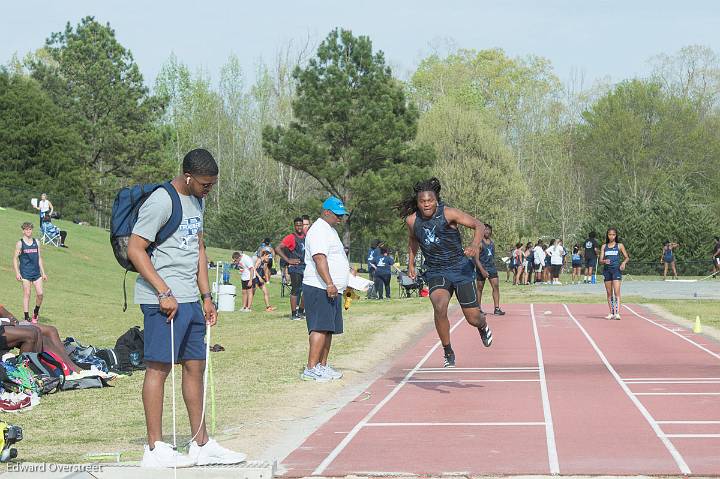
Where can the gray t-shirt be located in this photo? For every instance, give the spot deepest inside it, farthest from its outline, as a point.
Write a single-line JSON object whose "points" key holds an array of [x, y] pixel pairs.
{"points": [[175, 260]]}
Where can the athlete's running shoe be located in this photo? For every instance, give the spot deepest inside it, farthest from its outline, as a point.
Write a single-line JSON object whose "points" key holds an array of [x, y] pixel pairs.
{"points": [[610, 316], [449, 360], [486, 335], [499, 312], [617, 316]]}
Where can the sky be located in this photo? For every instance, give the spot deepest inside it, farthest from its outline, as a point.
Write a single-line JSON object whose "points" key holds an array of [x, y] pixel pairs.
{"points": [[600, 39]]}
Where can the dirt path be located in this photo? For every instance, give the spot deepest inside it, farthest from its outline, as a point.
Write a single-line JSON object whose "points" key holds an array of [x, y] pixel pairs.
{"points": [[272, 430]]}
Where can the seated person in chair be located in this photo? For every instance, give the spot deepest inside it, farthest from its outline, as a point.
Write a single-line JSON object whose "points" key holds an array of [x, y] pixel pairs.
{"points": [[31, 338], [50, 229]]}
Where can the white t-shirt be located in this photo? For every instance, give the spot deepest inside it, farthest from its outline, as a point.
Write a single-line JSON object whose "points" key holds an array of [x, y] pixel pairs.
{"points": [[556, 254], [246, 263], [44, 205], [322, 238], [538, 255]]}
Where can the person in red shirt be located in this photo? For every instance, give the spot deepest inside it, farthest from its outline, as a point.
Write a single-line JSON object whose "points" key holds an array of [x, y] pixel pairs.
{"points": [[292, 250]]}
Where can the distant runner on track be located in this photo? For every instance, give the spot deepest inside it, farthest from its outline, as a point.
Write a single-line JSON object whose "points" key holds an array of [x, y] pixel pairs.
{"points": [[433, 227], [610, 254]]}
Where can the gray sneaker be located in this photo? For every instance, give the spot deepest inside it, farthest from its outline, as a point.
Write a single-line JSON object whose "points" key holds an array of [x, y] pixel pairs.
{"points": [[329, 371], [314, 374]]}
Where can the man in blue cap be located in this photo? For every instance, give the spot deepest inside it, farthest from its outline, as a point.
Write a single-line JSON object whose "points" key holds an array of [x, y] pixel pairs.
{"points": [[327, 272]]}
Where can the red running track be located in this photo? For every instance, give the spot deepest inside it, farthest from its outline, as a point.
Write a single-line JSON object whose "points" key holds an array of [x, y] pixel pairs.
{"points": [[561, 391]]}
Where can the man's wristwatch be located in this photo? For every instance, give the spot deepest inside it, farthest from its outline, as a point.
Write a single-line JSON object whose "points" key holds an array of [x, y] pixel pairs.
{"points": [[207, 295], [165, 295]]}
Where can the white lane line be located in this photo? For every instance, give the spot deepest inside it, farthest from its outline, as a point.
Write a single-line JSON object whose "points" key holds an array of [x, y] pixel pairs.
{"points": [[688, 422], [675, 333], [423, 370], [693, 436], [351, 435], [549, 430], [672, 382], [684, 468], [458, 424], [474, 381], [669, 379], [453, 370], [676, 394]]}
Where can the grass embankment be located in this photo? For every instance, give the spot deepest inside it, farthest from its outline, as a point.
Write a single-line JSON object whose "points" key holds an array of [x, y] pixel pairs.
{"points": [[264, 352]]}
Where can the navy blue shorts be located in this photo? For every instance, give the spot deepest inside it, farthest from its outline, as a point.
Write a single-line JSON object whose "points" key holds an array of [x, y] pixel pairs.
{"points": [[189, 331], [576, 264], [590, 261], [612, 274], [492, 273], [322, 313], [460, 280]]}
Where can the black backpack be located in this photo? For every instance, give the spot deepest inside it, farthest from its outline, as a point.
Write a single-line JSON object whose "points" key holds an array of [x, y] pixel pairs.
{"points": [[131, 341]]}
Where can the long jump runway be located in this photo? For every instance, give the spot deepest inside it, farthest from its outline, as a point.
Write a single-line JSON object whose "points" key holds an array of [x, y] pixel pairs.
{"points": [[561, 391]]}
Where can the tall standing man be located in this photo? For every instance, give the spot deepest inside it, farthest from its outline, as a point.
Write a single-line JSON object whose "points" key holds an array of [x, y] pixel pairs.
{"points": [[292, 250], [326, 278], [167, 290], [591, 255]]}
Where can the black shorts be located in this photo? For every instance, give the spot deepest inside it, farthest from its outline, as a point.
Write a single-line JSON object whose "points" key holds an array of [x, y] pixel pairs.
{"points": [[322, 313], [590, 261], [296, 285], [555, 269], [247, 284], [466, 292], [491, 274]]}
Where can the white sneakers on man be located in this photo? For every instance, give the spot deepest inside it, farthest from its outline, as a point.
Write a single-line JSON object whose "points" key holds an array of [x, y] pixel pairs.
{"points": [[163, 456], [329, 371], [213, 453]]}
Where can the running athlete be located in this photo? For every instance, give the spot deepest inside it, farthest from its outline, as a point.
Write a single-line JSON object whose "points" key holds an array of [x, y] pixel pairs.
{"points": [[591, 254], [716, 257], [29, 269], [433, 227], [612, 272], [667, 258], [486, 269]]}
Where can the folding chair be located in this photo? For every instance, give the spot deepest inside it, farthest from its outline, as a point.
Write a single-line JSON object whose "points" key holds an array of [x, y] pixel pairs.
{"points": [[408, 286], [50, 234], [284, 286]]}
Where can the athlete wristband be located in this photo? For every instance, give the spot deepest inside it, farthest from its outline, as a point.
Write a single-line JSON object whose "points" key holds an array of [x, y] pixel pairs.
{"points": [[206, 295], [165, 295]]}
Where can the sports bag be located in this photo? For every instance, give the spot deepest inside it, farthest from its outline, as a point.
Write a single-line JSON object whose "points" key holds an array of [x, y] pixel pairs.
{"points": [[131, 341], [125, 214], [110, 358]]}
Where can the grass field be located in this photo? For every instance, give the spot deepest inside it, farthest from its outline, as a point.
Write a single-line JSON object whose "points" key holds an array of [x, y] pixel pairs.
{"points": [[264, 351]]}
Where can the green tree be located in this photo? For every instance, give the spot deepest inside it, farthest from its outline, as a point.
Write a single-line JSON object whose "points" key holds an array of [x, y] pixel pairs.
{"points": [[38, 149], [353, 129], [98, 86]]}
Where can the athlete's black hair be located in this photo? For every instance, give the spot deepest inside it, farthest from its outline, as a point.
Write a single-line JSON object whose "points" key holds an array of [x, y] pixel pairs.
{"points": [[409, 206], [298, 220], [200, 162], [666, 242], [576, 248], [528, 245], [518, 245], [306, 217], [552, 242], [488, 226], [383, 250], [592, 235], [617, 236]]}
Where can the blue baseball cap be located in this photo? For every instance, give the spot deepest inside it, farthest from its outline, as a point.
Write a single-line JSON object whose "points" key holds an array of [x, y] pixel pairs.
{"points": [[335, 205]]}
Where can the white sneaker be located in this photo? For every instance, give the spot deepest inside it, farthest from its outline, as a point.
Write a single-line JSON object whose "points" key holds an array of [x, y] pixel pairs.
{"points": [[314, 374], [213, 453], [617, 316], [610, 316], [329, 371], [246, 310], [164, 456]]}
